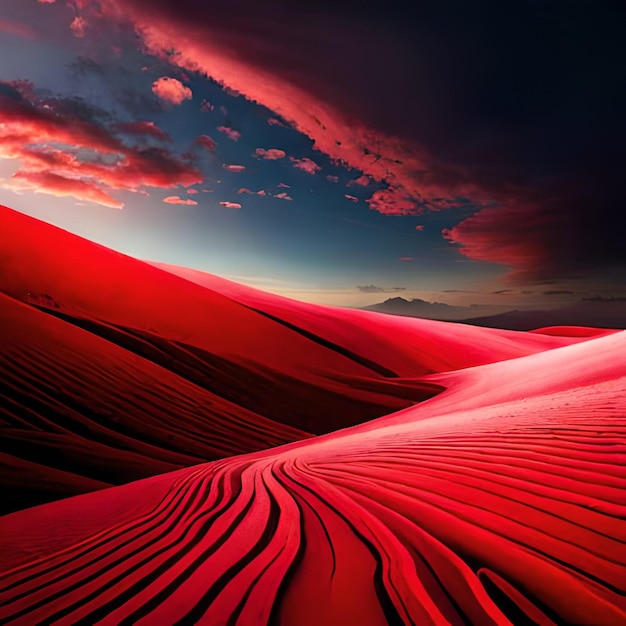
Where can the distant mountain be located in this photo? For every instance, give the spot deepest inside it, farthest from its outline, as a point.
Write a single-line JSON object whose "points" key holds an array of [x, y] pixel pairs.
{"points": [[597, 312], [432, 310]]}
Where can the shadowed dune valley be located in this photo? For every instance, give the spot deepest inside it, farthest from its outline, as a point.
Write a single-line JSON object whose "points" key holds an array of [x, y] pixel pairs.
{"points": [[178, 448]]}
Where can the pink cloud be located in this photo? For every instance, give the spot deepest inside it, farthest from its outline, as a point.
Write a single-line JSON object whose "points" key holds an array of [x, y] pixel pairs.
{"points": [[273, 121], [46, 1], [332, 179], [78, 26], [235, 168], [306, 165], [271, 155], [353, 198], [361, 180], [143, 128], [406, 259], [231, 133], [284, 186], [283, 196], [16, 28], [419, 227], [60, 186], [261, 192], [393, 201], [179, 200], [192, 192], [171, 90], [206, 142], [231, 205], [206, 106], [79, 157]]}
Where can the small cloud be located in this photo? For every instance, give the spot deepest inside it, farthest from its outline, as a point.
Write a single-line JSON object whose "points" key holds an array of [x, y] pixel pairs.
{"points": [[149, 129], [504, 292], [206, 142], [361, 180], [419, 227], [558, 292], [46, 1], [376, 289], [231, 205], [283, 196], [284, 186], [272, 154], [231, 133], [261, 192], [206, 106], [306, 165], [234, 168], [332, 179], [231, 92], [273, 121], [78, 26], [171, 90], [192, 192], [353, 198], [223, 110], [179, 200], [406, 259]]}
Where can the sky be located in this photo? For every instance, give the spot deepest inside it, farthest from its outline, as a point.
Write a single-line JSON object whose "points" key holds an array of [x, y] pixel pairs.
{"points": [[337, 152]]}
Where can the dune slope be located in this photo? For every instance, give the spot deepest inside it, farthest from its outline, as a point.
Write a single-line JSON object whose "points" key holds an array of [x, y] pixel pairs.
{"points": [[498, 501]]}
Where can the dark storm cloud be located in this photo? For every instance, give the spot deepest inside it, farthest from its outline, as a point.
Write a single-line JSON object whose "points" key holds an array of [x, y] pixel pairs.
{"points": [[515, 107]]}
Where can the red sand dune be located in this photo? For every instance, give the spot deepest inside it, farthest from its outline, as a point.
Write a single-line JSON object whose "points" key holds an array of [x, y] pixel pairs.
{"points": [[118, 370], [497, 499], [501, 500]]}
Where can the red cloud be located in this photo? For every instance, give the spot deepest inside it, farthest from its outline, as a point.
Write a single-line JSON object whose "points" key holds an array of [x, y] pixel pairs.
{"points": [[206, 106], [192, 192], [393, 202], [171, 90], [78, 26], [516, 235], [80, 156], [271, 155], [206, 142], [306, 165], [16, 28], [353, 198], [231, 205], [284, 186], [235, 168], [179, 200], [361, 180], [231, 133], [419, 227], [60, 186], [406, 258], [149, 129], [283, 196]]}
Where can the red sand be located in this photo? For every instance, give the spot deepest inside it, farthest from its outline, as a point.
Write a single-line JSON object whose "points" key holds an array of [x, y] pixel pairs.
{"points": [[498, 501]]}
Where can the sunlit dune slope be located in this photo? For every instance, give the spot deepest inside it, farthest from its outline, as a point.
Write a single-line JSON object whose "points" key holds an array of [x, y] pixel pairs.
{"points": [[500, 500], [408, 346]]}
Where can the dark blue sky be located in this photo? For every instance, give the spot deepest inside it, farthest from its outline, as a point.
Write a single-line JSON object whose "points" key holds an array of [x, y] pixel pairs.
{"points": [[461, 199]]}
